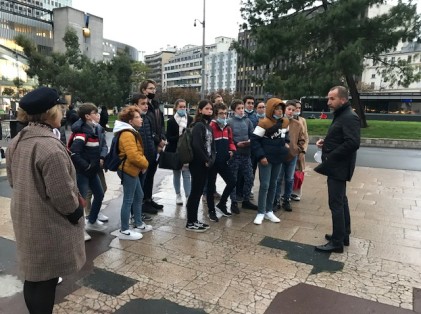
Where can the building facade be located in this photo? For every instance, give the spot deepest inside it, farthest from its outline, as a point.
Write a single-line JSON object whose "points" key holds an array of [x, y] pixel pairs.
{"points": [[112, 48], [156, 62]]}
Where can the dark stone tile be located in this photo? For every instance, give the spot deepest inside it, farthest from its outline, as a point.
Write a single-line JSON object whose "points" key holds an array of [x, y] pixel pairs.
{"points": [[304, 253], [107, 282], [160, 306]]}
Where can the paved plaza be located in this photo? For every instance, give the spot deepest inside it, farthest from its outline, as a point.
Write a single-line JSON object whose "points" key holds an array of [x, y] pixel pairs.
{"points": [[238, 267]]}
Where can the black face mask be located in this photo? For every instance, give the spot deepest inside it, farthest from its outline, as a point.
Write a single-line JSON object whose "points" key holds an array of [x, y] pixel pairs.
{"points": [[207, 118], [150, 96]]}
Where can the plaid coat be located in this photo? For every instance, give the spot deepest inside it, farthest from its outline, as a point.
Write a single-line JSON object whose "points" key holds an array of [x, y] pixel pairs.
{"points": [[43, 180]]}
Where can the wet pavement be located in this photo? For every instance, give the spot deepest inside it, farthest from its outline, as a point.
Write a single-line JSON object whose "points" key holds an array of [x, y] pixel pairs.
{"points": [[238, 267]]}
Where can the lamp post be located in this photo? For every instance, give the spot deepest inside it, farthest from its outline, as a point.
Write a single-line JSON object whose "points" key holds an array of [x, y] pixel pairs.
{"points": [[202, 89]]}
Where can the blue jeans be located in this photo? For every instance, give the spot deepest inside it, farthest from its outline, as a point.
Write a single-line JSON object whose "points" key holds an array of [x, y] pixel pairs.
{"points": [[85, 183], [186, 181], [132, 198], [287, 172], [267, 175]]}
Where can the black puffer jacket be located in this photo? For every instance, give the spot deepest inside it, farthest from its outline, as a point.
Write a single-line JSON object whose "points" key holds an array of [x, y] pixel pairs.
{"points": [[146, 132]]}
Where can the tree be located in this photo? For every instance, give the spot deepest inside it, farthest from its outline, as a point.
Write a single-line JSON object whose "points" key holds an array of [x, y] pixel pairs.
{"points": [[309, 46], [7, 91]]}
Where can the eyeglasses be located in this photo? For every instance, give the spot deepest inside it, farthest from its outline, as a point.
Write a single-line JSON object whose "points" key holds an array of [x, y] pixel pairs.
{"points": [[222, 114]]}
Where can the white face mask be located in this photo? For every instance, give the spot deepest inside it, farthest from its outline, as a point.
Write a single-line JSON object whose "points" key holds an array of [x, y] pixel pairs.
{"points": [[297, 113]]}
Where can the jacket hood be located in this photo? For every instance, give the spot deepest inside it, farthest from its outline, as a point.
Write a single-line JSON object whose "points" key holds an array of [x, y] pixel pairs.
{"points": [[269, 120], [120, 126]]}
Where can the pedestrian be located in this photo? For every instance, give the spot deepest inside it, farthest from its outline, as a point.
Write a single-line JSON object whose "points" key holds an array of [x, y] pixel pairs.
{"points": [[175, 127], [45, 207], [339, 154], [86, 156], [224, 150], [204, 156], [269, 143], [130, 147], [103, 119]]}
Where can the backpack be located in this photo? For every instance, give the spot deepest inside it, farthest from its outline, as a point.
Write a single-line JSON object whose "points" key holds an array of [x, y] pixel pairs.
{"points": [[184, 148], [112, 160]]}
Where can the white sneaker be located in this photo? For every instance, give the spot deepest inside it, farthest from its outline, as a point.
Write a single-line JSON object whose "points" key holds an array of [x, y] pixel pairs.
{"points": [[179, 200], [129, 235], [96, 226], [259, 218], [87, 236], [102, 217], [295, 197], [143, 228], [271, 216]]}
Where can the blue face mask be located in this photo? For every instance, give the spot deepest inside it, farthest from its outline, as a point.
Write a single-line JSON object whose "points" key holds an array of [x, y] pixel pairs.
{"points": [[248, 110], [181, 112], [222, 121], [238, 116], [276, 117], [260, 115]]}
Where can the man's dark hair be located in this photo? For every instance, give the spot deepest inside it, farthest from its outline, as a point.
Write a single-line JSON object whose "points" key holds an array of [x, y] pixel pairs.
{"points": [[245, 98], [145, 83], [342, 91], [235, 103], [87, 108], [136, 97], [291, 102], [218, 107]]}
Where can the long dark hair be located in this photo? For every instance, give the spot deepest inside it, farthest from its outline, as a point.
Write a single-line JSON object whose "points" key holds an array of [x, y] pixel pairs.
{"points": [[202, 104]]}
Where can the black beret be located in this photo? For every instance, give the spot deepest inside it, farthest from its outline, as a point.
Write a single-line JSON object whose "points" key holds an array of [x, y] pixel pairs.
{"points": [[40, 100]]}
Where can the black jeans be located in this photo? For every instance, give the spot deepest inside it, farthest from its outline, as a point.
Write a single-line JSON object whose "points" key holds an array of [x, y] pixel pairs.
{"points": [[39, 295], [148, 186], [338, 204], [224, 171], [199, 174]]}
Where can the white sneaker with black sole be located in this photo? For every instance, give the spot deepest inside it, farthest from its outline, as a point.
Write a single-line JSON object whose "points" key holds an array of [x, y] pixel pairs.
{"points": [[178, 200], [143, 228], [129, 235], [102, 217], [195, 227], [96, 226], [295, 197]]}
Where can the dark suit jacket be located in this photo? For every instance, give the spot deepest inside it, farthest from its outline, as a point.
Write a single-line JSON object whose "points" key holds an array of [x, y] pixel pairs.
{"points": [[340, 146]]}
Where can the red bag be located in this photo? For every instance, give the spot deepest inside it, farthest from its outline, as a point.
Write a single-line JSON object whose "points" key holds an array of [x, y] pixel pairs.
{"points": [[298, 179]]}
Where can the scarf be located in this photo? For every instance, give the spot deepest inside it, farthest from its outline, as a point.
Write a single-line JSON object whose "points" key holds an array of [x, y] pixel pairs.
{"points": [[182, 123]]}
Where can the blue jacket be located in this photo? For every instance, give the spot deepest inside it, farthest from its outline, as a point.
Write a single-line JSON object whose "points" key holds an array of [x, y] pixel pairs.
{"points": [[149, 147], [253, 118], [242, 129]]}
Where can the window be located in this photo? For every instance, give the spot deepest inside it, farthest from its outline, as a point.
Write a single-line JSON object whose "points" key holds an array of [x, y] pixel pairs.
{"points": [[372, 85], [373, 76], [409, 59]]}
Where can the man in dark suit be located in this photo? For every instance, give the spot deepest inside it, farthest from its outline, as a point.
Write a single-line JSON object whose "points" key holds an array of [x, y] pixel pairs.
{"points": [[339, 153]]}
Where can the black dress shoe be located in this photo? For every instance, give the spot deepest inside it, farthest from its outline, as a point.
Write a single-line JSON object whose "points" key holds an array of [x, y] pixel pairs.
{"points": [[149, 209], [154, 204], [329, 238], [329, 248]]}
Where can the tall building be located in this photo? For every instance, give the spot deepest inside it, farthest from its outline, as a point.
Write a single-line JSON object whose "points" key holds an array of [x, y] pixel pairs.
{"points": [[221, 67], [112, 48], [156, 62]]}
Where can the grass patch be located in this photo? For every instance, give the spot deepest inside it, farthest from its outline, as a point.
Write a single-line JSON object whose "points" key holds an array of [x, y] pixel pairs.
{"points": [[376, 129]]}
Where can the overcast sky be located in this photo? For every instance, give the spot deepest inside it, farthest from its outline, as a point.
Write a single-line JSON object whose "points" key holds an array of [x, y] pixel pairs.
{"points": [[154, 24]]}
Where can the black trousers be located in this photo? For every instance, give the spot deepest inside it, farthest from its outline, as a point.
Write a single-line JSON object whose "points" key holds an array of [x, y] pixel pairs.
{"points": [[199, 174], [148, 186], [39, 295], [338, 204], [224, 171]]}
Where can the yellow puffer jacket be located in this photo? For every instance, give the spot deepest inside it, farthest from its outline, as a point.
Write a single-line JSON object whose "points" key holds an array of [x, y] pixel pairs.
{"points": [[131, 146]]}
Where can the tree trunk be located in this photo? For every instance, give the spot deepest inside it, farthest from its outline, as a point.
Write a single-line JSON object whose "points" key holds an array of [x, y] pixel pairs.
{"points": [[356, 102]]}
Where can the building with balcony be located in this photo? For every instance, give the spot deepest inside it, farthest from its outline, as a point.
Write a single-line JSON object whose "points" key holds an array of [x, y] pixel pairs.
{"points": [[156, 62]]}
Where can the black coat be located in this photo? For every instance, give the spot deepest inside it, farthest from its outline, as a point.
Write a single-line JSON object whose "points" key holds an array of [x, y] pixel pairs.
{"points": [[173, 133], [199, 134], [339, 152], [149, 148], [158, 124]]}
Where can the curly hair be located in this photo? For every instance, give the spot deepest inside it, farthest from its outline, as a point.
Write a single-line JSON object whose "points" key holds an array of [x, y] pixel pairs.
{"points": [[127, 113]]}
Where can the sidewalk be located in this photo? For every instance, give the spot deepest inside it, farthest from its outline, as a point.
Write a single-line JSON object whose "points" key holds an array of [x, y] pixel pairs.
{"points": [[237, 267]]}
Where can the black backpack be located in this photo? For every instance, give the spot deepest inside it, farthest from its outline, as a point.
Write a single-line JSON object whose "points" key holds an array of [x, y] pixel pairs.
{"points": [[112, 161], [184, 148]]}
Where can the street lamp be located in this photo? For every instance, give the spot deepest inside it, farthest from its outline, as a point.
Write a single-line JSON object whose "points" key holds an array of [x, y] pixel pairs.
{"points": [[202, 89]]}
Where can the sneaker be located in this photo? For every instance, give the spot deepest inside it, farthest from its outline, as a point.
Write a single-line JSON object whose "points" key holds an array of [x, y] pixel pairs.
{"points": [[87, 236], [234, 208], [217, 195], [295, 197], [212, 217], [96, 226], [149, 209], [195, 228], [143, 228], [249, 205], [179, 200], [271, 216], [222, 208], [102, 217], [259, 219], [129, 235], [201, 224], [144, 218], [287, 205], [156, 205], [204, 200]]}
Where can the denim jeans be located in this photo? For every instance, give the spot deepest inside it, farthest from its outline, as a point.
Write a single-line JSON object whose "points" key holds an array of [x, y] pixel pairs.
{"points": [[287, 172], [186, 181], [85, 183], [267, 175], [132, 198]]}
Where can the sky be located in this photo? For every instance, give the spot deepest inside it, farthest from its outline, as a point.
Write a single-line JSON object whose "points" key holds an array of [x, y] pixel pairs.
{"points": [[150, 25]]}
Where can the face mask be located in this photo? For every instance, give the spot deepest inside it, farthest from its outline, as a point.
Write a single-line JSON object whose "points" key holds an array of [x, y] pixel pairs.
{"points": [[207, 118], [296, 113], [222, 121], [276, 117], [238, 116], [150, 96], [248, 110], [181, 112], [143, 113], [260, 115]]}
